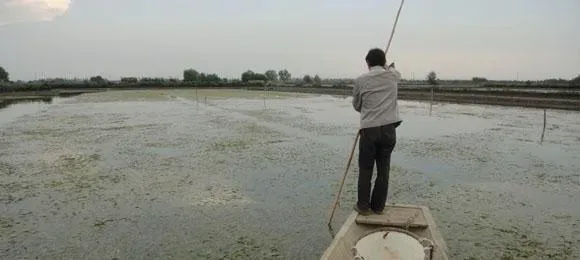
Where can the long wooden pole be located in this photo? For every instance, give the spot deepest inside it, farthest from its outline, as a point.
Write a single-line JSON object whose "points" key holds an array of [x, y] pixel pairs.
{"points": [[543, 129], [337, 199], [394, 26], [432, 98]]}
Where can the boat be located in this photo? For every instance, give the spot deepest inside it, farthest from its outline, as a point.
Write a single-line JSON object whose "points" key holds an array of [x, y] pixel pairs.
{"points": [[402, 232]]}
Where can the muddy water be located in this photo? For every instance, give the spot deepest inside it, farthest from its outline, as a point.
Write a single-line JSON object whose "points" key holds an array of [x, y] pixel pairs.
{"points": [[157, 175]]}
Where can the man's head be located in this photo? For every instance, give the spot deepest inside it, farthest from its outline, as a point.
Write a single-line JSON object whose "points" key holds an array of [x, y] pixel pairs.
{"points": [[376, 57]]}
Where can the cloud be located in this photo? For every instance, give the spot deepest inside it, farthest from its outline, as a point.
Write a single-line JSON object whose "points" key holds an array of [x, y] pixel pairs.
{"points": [[16, 11]]}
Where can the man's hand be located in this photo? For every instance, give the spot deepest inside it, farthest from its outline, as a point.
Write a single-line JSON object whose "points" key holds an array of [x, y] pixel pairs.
{"points": [[392, 65]]}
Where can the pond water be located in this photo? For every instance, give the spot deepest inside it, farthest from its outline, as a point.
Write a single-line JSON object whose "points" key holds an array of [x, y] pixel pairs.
{"points": [[243, 175], [12, 109]]}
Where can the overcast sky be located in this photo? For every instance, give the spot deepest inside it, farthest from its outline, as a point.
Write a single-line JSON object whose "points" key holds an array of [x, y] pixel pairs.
{"points": [[497, 39]]}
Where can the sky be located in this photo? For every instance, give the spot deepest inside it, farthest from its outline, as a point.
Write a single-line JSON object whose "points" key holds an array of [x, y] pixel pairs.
{"points": [[458, 39]]}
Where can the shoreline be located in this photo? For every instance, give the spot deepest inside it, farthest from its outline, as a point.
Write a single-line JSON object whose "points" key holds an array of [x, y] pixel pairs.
{"points": [[508, 97]]}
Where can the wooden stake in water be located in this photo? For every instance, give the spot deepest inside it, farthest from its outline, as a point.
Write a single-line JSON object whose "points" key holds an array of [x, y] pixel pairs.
{"points": [[543, 129], [431, 103]]}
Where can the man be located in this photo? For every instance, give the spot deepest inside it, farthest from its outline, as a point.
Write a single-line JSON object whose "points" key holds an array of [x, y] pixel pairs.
{"points": [[375, 98]]}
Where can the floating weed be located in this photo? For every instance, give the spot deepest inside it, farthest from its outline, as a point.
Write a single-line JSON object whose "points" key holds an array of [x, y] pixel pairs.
{"points": [[229, 145], [54, 184], [562, 216], [6, 223], [541, 175], [203, 94], [7, 169], [248, 248], [254, 128], [124, 95]]}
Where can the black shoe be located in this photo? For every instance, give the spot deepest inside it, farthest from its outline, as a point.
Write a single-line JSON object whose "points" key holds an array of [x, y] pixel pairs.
{"points": [[381, 212], [360, 211]]}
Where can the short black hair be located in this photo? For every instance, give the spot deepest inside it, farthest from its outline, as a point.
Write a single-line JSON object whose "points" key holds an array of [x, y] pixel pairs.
{"points": [[376, 57]]}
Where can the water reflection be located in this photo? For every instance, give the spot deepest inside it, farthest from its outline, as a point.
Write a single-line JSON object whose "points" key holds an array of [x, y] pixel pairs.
{"points": [[8, 102]]}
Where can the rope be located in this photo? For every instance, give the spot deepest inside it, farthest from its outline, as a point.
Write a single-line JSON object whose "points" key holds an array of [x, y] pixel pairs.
{"points": [[336, 201]]}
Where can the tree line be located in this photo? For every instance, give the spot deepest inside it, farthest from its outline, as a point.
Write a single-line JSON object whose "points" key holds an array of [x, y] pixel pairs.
{"points": [[193, 77]]}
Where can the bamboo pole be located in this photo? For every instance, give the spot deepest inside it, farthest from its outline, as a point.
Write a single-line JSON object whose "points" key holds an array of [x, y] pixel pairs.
{"points": [[432, 98], [394, 26], [544, 128], [337, 199]]}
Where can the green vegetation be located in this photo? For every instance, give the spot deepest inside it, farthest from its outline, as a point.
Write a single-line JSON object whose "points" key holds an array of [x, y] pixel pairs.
{"points": [[252, 76], [576, 80], [284, 75], [307, 79], [6, 223], [271, 75], [191, 75], [478, 80], [282, 78], [432, 78], [203, 95], [245, 248], [317, 80], [4, 76]]}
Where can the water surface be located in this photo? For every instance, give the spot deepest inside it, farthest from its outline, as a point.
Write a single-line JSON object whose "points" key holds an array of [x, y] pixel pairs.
{"points": [[155, 174]]}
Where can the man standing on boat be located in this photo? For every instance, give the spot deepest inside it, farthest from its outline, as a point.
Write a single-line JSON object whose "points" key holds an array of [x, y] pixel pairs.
{"points": [[375, 98]]}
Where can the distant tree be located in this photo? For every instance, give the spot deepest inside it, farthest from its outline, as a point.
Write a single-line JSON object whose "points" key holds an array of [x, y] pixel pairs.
{"points": [[478, 79], [211, 78], [284, 75], [307, 79], [260, 76], [432, 78], [129, 80], [576, 80], [250, 75], [555, 81], [317, 80], [153, 81], [98, 79], [271, 75], [247, 76], [191, 75], [4, 76]]}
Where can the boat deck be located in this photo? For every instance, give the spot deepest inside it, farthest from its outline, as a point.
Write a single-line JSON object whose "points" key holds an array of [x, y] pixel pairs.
{"points": [[396, 216], [412, 218]]}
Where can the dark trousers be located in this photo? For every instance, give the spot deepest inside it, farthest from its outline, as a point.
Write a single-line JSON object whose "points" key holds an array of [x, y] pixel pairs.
{"points": [[375, 146]]}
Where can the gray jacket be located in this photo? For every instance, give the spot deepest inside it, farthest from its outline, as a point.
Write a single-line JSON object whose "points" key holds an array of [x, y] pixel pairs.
{"points": [[375, 97]]}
